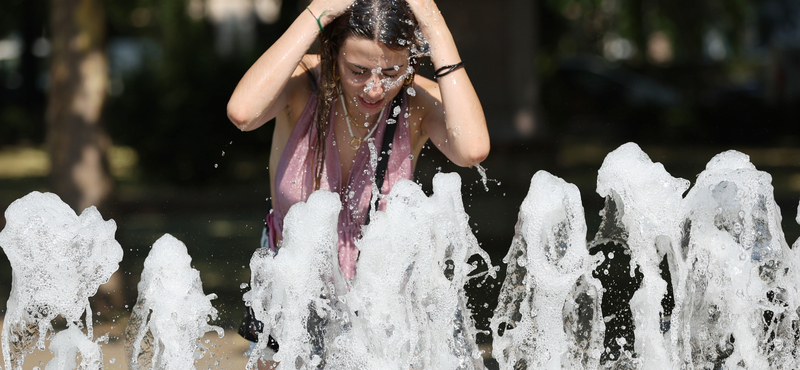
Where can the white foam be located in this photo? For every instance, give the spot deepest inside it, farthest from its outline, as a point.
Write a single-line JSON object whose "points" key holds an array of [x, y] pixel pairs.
{"points": [[171, 313], [734, 278], [65, 347], [404, 309], [58, 261], [538, 316], [740, 269], [299, 282], [650, 206]]}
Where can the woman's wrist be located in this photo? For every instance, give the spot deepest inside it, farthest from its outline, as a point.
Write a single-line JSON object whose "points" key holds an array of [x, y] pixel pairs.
{"points": [[434, 28], [442, 47], [317, 18], [322, 14], [318, 15]]}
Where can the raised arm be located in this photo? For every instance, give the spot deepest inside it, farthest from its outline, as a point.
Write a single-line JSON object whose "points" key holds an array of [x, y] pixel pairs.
{"points": [[265, 90], [458, 126]]}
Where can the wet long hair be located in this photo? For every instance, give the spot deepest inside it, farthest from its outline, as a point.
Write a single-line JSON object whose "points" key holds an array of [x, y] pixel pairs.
{"points": [[389, 22]]}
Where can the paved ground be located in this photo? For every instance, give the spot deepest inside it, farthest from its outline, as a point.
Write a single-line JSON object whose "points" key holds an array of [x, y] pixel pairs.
{"points": [[223, 353]]}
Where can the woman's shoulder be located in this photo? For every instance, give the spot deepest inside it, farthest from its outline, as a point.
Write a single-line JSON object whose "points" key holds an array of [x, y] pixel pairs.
{"points": [[427, 93], [310, 62], [426, 98], [300, 88], [304, 79]]}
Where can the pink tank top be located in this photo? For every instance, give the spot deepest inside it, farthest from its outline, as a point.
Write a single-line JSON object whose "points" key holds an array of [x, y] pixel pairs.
{"points": [[294, 181]]}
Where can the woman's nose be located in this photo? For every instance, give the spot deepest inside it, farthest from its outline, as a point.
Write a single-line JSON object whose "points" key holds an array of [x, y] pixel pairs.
{"points": [[374, 86]]}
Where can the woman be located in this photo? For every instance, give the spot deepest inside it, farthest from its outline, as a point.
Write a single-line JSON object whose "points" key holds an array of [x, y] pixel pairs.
{"points": [[360, 88]]}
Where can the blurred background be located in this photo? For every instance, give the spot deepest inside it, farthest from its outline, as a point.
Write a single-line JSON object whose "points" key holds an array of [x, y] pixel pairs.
{"points": [[121, 104]]}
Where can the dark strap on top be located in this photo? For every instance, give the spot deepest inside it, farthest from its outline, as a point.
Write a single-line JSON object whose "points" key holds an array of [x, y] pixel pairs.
{"points": [[383, 155]]}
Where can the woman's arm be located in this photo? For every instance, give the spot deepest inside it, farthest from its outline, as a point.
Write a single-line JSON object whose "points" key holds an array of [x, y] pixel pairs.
{"points": [[265, 90], [457, 127]]}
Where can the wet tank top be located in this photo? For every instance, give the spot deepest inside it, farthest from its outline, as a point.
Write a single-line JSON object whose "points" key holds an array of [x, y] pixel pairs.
{"points": [[294, 180]]}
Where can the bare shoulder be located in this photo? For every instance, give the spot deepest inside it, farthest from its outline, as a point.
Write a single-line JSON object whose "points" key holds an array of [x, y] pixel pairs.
{"points": [[429, 89], [300, 86], [309, 62], [426, 109], [426, 103]]}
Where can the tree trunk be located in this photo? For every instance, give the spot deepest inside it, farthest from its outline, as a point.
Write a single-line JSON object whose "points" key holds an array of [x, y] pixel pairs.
{"points": [[77, 142]]}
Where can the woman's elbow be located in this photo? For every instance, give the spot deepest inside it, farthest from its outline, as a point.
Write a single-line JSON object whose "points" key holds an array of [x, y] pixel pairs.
{"points": [[476, 154], [239, 117]]}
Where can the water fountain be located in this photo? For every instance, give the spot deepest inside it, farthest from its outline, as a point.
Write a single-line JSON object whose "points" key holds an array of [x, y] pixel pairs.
{"points": [[171, 312], [58, 261], [730, 297], [406, 307], [709, 280]]}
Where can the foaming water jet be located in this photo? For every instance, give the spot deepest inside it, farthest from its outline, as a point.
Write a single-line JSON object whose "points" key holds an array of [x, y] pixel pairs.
{"points": [[406, 306], [171, 313], [58, 261], [672, 279], [709, 280]]}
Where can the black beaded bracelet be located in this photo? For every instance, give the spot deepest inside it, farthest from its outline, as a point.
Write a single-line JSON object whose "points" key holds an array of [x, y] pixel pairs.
{"points": [[446, 70]]}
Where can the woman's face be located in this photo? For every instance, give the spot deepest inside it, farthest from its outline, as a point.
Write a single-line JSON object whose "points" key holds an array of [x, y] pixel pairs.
{"points": [[371, 74]]}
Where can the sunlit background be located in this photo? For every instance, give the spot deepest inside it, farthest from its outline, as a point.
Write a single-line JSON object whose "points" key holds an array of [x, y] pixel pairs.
{"points": [[562, 82]]}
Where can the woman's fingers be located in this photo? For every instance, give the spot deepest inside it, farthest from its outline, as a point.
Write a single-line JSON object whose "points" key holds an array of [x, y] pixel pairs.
{"points": [[332, 8], [424, 10]]}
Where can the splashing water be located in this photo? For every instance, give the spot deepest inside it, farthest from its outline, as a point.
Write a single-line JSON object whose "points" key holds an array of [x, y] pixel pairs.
{"points": [[58, 261], [707, 280], [171, 313], [406, 307], [548, 313], [484, 179], [718, 255]]}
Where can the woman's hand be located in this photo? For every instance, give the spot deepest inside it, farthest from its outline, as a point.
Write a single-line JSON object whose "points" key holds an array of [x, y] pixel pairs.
{"points": [[328, 10], [424, 10]]}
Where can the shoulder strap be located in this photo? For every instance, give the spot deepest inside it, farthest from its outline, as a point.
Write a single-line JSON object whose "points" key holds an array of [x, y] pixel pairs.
{"points": [[312, 78], [383, 154]]}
